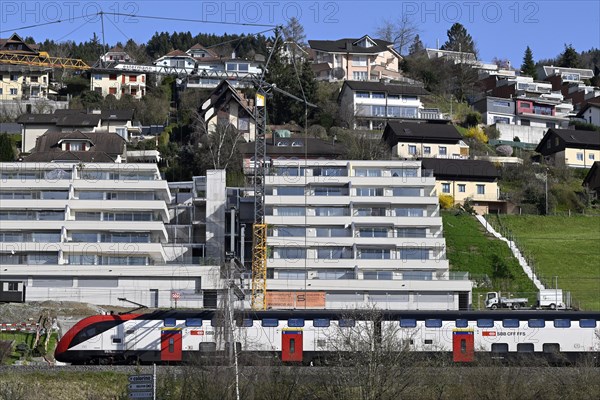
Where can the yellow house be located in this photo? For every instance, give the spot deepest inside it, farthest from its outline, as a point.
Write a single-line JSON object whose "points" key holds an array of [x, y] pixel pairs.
{"points": [[425, 140], [570, 147], [473, 180]]}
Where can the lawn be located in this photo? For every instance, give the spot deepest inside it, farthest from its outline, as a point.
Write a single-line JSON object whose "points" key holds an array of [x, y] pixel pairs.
{"points": [[488, 260], [563, 248]]}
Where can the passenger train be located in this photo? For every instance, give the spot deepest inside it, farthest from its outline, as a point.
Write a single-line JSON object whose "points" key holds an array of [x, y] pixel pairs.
{"points": [[316, 336]]}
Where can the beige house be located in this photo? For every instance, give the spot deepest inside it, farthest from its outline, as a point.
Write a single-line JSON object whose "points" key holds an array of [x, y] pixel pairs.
{"points": [[425, 140], [473, 180], [570, 148], [363, 59], [22, 81], [118, 83]]}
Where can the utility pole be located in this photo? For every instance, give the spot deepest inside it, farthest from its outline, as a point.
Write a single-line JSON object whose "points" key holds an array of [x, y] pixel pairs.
{"points": [[546, 184]]}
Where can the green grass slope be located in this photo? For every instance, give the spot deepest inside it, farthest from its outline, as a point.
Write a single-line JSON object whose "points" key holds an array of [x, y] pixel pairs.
{"points": [[563, 247], [470, 248]]}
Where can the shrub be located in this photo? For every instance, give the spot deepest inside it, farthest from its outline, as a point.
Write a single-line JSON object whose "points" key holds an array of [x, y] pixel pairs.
{"points": [[476, 133], [446, 201], [472, 118], [504, 150]]}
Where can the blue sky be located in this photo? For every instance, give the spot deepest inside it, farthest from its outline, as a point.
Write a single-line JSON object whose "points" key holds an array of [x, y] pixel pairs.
{"points": [[500, 28]]}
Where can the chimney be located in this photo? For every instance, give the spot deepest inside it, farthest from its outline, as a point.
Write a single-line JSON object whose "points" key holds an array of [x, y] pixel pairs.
{"points": [[233, 54]]}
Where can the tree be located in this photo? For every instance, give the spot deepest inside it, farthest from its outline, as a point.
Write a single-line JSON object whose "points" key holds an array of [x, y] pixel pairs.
{"points": [[569, 58], [400, 32], [7, 151], [359, 145], [459, 40], [416, 47], [294, 31], [528, 66]]}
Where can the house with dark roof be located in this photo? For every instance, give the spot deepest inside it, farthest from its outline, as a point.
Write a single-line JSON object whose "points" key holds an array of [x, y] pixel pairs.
{"points": [[35, 125], [571, 148], [590, 113], [592, 180], [77, 146], [116, 55], [472, 180], [228, 106], [425, 139], [369, 105], [362, 59]]}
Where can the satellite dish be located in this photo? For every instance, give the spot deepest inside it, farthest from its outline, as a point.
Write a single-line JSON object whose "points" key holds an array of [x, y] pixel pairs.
{"points": [[339, 73]]}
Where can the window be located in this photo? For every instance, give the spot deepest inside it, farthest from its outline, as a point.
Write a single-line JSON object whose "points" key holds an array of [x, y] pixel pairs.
{"points": [[0, 90], [196, 322], [427, 150], [525, 122], [170, 322], [331, 274], [499, 347], [321, 322], [411, 232], [510, 323], [290, 211], [412, 149], [461, 323], [13, 286], [525, 348], [378, 111], [562, 323], [462, 188], [587, 323], [501, 103], [409, 212], [359, 75], [428, 341], [369, 191], [291, 231], [406, 191], [331, 211], [485, 323], [333, 231], [372, 232], [579, 156], [443, 150], [378, 275], [359, 61], [112, 91], [551, 348], [33, 79], [414, 254], [334, 253], [14, 77], [591, 156], [550, 125], [290, 191], [417, 275], [537, 323], [347, 323], [244, 322], [501, 120], [408, 323], [480, 189], [433, 323], [117, 340], [296, 322], [289, 252], [112, 77], [270, 322], [362, 95], [404, 172], [445, 188], [133, 78], [374, 254], [291, 275], [14, 91], [367, 172], [330, 191]]}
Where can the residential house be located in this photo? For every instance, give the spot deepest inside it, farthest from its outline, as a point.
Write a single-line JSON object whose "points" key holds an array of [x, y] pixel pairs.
{"points": [[363, 59], [426, 139], [177, 59], [226, 105], [472, 180], [293, 52], [571, 82], [110, 81], [457, 57], [198, 51], [571, 148], [77, 146], [369, 105], [496, 110], [590, 113], [35, 125], [357, 234], [592, 180], [116, 55], [22, 81]]}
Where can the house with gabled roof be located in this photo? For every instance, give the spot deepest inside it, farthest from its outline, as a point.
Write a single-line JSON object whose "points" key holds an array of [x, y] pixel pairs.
{"points": [[592, 180], [227, 105], [410, 140], [362, 59], [590, 113], [570, 147]]}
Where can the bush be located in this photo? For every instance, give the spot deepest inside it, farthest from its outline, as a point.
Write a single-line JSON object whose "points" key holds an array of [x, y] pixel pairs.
{"points": [[446, 201], [477, 134], [472, 118], [504, 150]]}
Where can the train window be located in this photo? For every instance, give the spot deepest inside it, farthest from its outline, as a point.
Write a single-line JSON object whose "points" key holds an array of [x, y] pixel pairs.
{"points": [[270, 322], [171, 345], [296, 322], [170, 322], [193, 322], [117, 340], [485, 323], [217, 322], [428, 341], [562, 323], [510, 323], [462, 323], [347, 323], [321, 322], [537, 323], [587, 323], [433, 323], [130, 331], [292, 346], [525, 347], [408, 323], [463, 346], [208, 346], [93, 330], [244, 322], [551, 348], [499, 347]]}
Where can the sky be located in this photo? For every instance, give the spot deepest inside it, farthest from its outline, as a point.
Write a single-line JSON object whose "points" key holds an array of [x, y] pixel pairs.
{"points": [[501, 29]]}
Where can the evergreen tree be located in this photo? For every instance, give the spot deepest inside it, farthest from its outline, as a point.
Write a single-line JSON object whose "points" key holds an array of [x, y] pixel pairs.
{"points": [[294, 31], [569, 58], [416, 47], [528, 67], [459, 40], [7, 151]]}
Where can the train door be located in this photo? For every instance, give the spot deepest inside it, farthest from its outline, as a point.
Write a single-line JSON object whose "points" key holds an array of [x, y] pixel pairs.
{"points": [[291, 345], [170, 344], [463, 347]]}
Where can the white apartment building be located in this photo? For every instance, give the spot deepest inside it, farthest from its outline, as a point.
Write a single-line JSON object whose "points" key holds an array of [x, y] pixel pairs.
{"points": [[118, 83], [354, 234], [97, 232]]}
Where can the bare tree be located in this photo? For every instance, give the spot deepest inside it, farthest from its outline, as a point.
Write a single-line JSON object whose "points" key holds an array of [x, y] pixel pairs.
{"points": [[400, 32], [218, 143]]}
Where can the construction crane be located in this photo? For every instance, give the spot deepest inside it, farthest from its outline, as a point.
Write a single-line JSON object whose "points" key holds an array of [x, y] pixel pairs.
{"points": [[259, 229], [42, 60]]}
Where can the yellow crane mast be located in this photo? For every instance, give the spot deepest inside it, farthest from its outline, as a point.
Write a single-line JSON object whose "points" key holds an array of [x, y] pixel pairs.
{"points": [[42, 60]]}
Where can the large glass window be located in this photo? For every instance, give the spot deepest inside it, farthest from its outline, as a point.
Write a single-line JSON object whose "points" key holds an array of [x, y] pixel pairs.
{"points": [[378, 275], [414, 254], [373, 232], [362, 191], [367, 172], [334, 253], [370, 212], [331, 211], [404, 172], [409, 212], [289, 252], [291, 231], [359, 61], [406, 191], [290, 211], [291, 274], [330, 191], [330, 171], [411, 232], [335, 274], [333, 231], [374, 254], [417, 275]]}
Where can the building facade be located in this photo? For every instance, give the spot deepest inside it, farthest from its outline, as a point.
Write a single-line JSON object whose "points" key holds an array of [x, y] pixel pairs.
{"points": [[570, 148], [118, 83], [424, 140], [355, 234]]}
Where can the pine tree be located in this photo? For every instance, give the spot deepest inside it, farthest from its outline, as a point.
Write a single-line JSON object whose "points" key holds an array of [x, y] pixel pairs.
{"points": [[528, 67], [569, 58], [459, 40], [7, 151], [416, 46]]}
